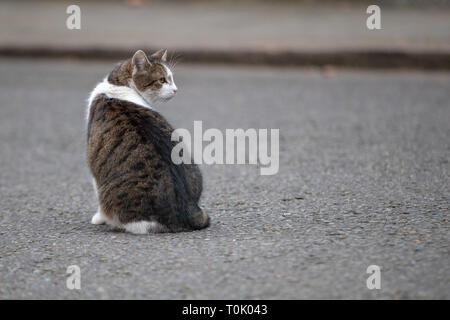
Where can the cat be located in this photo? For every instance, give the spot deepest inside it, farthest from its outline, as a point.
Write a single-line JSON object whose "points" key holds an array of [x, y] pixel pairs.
{"points": [[138, 187]]}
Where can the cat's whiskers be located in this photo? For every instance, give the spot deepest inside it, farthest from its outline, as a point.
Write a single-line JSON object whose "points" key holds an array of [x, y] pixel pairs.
{"points": [[174, 59]]}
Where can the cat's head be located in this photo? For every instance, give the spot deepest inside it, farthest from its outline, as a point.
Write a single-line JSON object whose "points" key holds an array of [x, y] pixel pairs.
{"points": [[151, 76]]}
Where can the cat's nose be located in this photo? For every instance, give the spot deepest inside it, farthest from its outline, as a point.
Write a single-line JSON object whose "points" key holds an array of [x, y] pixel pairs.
{"points": [[175, 91]]}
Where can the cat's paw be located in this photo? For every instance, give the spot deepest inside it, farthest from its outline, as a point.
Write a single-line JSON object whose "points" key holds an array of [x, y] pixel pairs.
{"points": [[98, 218]]}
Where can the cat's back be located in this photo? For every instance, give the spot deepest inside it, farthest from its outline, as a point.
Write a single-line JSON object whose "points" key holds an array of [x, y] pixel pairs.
{"points": [[124, 138]]}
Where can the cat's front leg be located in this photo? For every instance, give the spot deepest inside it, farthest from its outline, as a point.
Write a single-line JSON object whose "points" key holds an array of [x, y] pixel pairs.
{"points": [[99, 217]]}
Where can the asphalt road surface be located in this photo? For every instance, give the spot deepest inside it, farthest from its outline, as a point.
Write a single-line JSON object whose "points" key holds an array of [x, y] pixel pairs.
{"points": [[363, 180]]}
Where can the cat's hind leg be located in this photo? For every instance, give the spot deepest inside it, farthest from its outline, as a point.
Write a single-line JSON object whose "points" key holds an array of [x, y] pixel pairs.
{"points": [[143, 227]]}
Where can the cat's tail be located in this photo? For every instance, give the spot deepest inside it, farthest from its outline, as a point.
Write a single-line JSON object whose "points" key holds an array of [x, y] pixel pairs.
{"points": [[198, 219]]}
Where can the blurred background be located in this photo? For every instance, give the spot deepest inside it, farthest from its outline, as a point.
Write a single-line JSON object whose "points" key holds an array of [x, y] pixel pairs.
{"points": [[413, 34], [364, 166]]}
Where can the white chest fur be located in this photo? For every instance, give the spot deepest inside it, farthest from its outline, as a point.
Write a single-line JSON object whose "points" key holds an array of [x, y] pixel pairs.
{"points": [[116, 92]]}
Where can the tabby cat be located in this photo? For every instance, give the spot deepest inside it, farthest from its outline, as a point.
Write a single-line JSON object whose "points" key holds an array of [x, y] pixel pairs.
{"points": [[139, 188]]}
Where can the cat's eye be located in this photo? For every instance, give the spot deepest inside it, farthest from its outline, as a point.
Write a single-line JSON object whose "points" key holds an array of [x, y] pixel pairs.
{"points": [[163, 80]]}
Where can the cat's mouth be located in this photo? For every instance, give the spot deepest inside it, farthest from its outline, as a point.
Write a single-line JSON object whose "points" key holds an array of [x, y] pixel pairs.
{"points": [[166, 98]]}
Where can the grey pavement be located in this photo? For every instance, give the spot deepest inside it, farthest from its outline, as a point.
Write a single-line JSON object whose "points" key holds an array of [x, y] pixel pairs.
{"points": [[231, 26], [364, 179]]}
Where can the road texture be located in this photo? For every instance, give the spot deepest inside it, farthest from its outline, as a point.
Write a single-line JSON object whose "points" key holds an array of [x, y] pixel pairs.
{"points": [[363, 180]]}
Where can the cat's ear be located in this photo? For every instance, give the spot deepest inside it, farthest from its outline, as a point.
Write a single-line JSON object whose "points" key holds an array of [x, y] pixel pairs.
{"points": [[140, 60], [160, 55]]}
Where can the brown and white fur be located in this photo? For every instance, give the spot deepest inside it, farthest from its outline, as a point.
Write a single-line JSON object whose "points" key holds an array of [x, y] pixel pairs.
{"points": [[138, 187]]}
